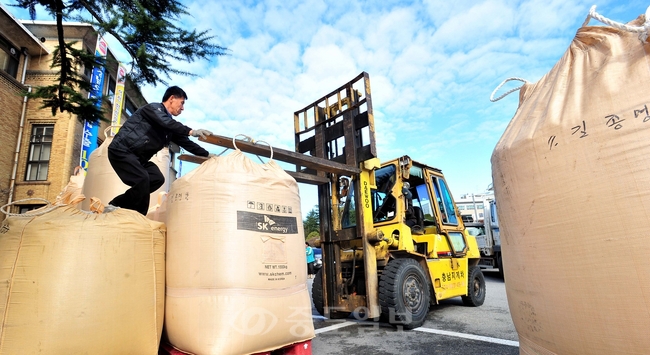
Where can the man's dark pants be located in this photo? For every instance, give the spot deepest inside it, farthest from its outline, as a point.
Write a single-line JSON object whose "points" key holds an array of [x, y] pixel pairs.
{"points": [[144, 178]]}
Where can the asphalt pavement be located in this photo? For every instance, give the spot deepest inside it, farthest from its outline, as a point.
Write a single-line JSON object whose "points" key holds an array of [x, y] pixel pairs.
{"points": [[450, 328]]}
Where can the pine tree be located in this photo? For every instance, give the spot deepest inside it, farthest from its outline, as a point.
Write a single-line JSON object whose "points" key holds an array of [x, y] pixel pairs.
{"points": [[312, 222], [148, 31]]}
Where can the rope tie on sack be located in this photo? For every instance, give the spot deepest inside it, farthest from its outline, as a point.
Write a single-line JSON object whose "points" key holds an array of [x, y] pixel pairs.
{"points": [[253, 141], [507, 92], [39, 212], [641, 30]]}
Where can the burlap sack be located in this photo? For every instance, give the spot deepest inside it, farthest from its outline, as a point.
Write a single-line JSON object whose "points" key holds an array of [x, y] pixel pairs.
{"points": [[103, 183], [236, 267], [71, 193], [572, 182], [159, 211], [73, 282]]}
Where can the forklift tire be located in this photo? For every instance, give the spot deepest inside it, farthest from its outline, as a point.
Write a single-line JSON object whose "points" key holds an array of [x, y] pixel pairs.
{"points": [[404, 293], [317, 297], [475, 288], [317, 292]]}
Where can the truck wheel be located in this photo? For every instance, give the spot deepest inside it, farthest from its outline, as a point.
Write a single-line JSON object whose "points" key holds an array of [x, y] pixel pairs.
{"points": [[404, 293], [475, 287], [500, 265], [317, 297]]}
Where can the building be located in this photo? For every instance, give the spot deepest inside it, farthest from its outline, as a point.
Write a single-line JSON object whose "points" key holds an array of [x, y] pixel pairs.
{"points": [[473, 207], [41, 150]]}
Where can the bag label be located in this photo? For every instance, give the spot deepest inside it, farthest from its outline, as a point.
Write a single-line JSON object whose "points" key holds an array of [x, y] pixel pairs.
{"points": [[266, 223]]}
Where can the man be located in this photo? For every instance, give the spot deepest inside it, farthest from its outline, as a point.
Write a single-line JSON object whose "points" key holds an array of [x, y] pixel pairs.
{"points": [[147, 131], [310, 260]]}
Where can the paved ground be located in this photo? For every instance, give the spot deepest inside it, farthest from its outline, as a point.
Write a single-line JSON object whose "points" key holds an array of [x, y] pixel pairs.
{"points": [[450, 328]]}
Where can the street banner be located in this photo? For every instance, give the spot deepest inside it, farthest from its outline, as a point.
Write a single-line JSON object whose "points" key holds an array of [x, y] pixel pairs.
{"points": [[89, 138], [118, 100]]}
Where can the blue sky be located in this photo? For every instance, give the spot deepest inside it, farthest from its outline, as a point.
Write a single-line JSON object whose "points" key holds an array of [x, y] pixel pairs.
{"points": [[432, 64]]}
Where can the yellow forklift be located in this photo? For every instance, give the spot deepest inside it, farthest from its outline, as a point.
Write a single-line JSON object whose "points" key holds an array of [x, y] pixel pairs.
{"points": [[392, 238]]}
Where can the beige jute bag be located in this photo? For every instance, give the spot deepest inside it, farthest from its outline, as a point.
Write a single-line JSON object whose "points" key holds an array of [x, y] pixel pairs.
{"points": [[572, 180], [236, 266], [75, 282], [103, 183]]}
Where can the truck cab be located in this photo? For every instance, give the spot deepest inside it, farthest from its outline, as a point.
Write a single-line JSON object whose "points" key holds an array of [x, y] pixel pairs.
{"points": [[488, 238]]}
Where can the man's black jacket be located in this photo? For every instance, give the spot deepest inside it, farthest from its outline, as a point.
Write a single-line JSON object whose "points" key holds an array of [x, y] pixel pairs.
{"points": [[149, 130]]}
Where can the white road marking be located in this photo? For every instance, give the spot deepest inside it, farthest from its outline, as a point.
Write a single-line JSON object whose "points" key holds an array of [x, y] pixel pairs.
{"points": [[468, 336], [334, 327], [424, 330]]}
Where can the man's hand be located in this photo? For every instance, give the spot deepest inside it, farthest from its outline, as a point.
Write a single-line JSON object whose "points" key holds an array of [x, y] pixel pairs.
{"points": [[212, 155], [203, 133]]}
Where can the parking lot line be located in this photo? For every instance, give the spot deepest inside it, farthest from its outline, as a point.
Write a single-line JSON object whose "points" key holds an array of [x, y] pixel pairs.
{"points": [[424, 330], [468, 336], [334, 327]]}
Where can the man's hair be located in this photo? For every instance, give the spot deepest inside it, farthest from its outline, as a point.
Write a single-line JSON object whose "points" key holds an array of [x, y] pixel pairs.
{"points": [[174, 91]]}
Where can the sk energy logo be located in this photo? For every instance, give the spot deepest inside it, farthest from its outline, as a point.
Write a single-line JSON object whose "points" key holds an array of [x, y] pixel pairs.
{"points": [[266, 223]]}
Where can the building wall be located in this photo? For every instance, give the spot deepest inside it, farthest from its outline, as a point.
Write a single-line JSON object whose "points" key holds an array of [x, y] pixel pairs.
{"points": [[66, 141], [67, 135], [474, 205], [11, 103], [66, 130]]}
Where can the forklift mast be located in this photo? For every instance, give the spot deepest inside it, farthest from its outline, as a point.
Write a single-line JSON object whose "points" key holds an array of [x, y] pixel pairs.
{"points": [[339, 128]]}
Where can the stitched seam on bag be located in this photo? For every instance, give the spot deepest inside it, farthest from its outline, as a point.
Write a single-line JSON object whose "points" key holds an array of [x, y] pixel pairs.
{"points": [[11, 283]]}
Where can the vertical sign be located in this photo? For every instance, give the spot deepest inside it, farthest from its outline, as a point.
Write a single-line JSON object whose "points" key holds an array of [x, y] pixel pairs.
{"points": [[118, 100], [89, 138]]}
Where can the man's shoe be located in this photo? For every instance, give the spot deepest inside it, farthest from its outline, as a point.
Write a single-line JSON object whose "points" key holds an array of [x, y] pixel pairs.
{"points": [[109, 208]]}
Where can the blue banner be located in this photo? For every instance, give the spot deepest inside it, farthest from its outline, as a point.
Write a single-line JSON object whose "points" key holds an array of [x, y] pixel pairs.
{"points": [[89, 138]]}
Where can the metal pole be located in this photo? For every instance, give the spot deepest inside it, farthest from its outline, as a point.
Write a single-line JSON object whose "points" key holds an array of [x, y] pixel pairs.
{"points": [[475, 210]]}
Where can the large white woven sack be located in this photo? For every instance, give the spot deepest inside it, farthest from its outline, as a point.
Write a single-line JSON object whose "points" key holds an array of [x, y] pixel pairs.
{"points": [[572, 180], [236, 266], [73, 282], [103, 183]]}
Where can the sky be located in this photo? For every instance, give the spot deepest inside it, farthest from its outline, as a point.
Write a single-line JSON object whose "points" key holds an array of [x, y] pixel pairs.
{"points": [[433, 65]]}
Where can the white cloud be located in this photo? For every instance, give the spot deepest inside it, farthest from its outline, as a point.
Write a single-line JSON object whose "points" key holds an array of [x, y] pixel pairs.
{"points": [[432, 66]]}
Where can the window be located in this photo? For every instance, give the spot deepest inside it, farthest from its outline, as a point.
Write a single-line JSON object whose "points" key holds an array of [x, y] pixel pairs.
{"points": [[129, 107], [445, 203], [493, 215], [9, 57], [110, 89], [27, 208], [349, 214], [461, 207], [384, 204], [40, 146], [457, 242], [424, 202]]}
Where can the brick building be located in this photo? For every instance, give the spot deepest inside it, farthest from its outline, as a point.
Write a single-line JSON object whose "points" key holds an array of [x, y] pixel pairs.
{"points": [[41, 151]]}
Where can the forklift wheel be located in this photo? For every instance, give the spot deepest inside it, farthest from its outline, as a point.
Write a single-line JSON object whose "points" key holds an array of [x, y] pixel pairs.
{"points": [[475, 288], [317, 292], [317, 297], [404, 293]]}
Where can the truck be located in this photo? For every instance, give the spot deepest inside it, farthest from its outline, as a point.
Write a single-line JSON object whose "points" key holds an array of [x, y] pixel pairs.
{"points": [[392, 238], [488, 238]]}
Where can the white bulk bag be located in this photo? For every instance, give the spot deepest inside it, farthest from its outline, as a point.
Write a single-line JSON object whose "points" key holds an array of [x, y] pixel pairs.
{"points": [[572, 180], [73, 282], [236, 267]]}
